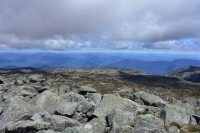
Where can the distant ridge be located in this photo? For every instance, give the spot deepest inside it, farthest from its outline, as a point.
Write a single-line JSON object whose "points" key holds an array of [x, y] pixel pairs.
{"points": [[155, 67], [191, 73], [50, 61], [30, 70]]}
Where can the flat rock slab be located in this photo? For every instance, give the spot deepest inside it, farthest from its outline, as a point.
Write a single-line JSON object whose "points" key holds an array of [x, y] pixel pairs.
{"points": [[110, 102], [175, 113], [150, 99], [67, 108], [59, 123], [148, 121], [28, 126], [85, 89]]}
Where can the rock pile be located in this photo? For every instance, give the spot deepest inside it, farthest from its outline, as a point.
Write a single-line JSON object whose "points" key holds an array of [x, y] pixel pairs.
{"points": [[29, 105]]}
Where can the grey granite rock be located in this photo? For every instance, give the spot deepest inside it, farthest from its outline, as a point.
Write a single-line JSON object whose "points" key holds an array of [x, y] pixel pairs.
{"points": [[175, 113], [110, 102], [173, 129], [59, 123], [66, 108], [119, 118], [27, 126], [15, 109], [48, 101]]}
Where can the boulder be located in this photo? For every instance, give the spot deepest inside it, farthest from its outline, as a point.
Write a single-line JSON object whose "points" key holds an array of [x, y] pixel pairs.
{"points": [[59, 123], [148, 121], [84, 120], [48, 101], [19, 82], [72, 97], [77, 129], [36, 117], [175, 113], [118, 118], [67, 108], [25, 91], [139, 101], [95, 97], [123, 129], [151, 110], [191, 101], [169, 99], [125, 92], [184, 105], [152, 100], [96, 125], [84, 105], [137, 95], [77, 116], [84, 89], [47, 131], [39, 88], [27, 126], [60, 89], [146, 130], [36, 78], [43, 113], [15, 109], [110, 102], [173, 129]]}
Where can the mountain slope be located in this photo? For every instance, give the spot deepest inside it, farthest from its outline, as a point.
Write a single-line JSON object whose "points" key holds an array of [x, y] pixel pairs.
{"points": [[191, 73], [30, 70], [155, 67]]}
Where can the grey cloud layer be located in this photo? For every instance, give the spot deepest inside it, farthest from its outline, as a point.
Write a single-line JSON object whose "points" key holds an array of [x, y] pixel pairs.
{"points": [[114, 24]]}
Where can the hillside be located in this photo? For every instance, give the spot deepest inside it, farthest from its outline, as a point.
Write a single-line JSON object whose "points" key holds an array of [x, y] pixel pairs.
{"points": [[155, 67], [109, 79], [93, 100], [191, 74]]}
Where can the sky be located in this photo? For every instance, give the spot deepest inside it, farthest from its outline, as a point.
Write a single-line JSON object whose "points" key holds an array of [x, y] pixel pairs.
{"points": [[98, 25]]}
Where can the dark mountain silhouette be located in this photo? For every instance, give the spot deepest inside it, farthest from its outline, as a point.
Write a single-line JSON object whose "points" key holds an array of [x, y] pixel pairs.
{"points": [[30, 70]]}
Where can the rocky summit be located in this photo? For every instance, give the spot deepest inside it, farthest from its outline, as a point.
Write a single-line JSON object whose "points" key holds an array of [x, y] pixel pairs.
{"points": [[97, 101]]}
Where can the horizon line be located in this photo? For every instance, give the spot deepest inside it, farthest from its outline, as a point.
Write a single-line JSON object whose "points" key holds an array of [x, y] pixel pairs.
{"points": [[101, 51]]}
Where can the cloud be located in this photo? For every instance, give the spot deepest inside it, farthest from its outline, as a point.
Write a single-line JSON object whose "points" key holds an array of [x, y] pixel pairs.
{"points": [[123, 45], [59, 44], [161, 45], [94, 24], [197, 41]]}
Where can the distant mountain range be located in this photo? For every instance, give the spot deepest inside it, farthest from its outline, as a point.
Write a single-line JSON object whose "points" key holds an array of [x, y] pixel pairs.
{"points": [[48, 61], [155, 67]]}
